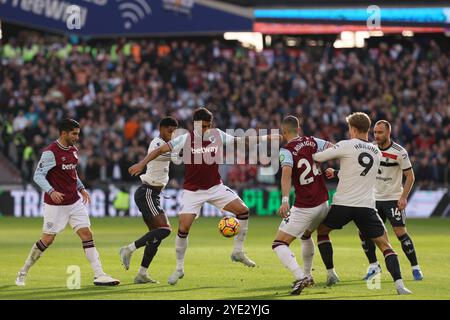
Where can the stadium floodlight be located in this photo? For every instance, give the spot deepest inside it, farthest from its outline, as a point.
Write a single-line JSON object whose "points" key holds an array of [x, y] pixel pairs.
{"points": [[248, 39]]}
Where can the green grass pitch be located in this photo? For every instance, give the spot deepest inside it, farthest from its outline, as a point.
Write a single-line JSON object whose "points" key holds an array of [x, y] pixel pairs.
{"points": [[209, 272]]}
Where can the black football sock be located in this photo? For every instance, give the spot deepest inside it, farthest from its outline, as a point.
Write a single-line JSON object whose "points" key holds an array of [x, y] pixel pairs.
{"points": [[391, 259], [369, 248], [152, 244], [408, 249], [326, 250]]}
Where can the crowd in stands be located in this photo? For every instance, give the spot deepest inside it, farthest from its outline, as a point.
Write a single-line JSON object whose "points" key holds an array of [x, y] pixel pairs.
{"points": [[119, 91]]}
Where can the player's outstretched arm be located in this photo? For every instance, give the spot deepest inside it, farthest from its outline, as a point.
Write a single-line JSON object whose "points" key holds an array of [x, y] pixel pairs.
{"points": [[329, 154], [137, 168]]}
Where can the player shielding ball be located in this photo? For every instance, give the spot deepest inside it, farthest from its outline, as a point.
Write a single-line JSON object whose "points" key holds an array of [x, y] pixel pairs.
{"points": [[56, 175], [311, 200], [202, 183], [147, 198], [391, 197], [354, 199]]}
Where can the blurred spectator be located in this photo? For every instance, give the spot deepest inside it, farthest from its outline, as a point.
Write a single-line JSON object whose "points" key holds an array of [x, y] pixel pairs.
{"points": [[118, 92]]}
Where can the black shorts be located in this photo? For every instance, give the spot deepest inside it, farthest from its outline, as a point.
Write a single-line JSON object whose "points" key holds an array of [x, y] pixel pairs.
{"points": [[147, 200], [389, 210], [366, 219]]}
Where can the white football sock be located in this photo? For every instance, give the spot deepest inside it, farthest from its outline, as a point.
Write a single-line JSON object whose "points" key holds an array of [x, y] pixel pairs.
{"points": [[416, 267], [240, 237], [33, 256], [374, 265], [142, 270], [287, 258], [308, 255], [132, 247], [94, 259], [399, 284], [331, 272], [180, 250]]}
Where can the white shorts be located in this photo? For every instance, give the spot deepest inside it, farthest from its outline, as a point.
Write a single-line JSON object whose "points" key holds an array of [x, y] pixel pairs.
{"points": [[219, 196], [302, 219], [57, 217]]}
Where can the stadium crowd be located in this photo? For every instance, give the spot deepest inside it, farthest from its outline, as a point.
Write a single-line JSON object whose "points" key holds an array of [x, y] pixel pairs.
{"points": [[119, 91]]}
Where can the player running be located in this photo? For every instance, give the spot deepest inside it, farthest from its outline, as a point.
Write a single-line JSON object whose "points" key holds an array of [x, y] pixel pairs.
{"points": [[311, 200], [56, 175], [354, 199], [147, 198], [391, 197], [202, 183]]}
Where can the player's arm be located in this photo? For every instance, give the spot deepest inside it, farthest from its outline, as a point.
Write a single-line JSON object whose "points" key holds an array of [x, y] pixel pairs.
{"points": [[174, 144], [46, 163], [82, 190], [322, 145], [286, 180], [329, 154], [408, 172]]}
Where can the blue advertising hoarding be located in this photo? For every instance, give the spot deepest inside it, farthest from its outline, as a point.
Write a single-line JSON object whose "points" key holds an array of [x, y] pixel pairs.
{"points": [[125, 17]]}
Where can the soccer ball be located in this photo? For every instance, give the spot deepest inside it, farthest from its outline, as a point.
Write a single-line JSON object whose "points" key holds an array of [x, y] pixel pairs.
{"points": [[229, 227]]}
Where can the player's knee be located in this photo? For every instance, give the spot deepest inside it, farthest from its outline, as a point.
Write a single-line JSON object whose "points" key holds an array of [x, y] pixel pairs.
{"points": [[164, 232], [85, 234], [277, 243], [47, 240], [400, 231]]}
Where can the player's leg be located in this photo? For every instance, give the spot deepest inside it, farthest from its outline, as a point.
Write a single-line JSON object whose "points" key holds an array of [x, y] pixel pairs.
{"points": [[397, 219], [185, 221], [291, 228], [371, 226], [148, 202], [318, 215], [55, 221], [80, 223], [337, 217], [35, 253], [308, 252], [227, 200], [159, 230], [370, 248], [190, 206]]}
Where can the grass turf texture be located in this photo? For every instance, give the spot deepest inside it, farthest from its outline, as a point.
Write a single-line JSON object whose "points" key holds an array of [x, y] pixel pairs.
{"points": [[209, 272]]}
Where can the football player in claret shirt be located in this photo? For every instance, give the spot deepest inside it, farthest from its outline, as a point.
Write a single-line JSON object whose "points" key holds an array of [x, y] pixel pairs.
{"points": [[202, 183], [311, 200], [56, 175]]}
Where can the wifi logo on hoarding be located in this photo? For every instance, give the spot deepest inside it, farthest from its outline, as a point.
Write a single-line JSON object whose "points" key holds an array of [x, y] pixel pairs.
{"points": [[133, 10]]}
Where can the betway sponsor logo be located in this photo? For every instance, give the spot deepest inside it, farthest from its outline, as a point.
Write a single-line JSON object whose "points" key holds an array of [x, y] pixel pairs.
{"points": [[204, 150], [69, 166]]}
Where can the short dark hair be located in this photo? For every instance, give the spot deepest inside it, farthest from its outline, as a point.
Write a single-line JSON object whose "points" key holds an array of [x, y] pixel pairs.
{"points": [[385, 123], [168, 122], [291, 122], [360, 121], [203, 114], [68, 125]]}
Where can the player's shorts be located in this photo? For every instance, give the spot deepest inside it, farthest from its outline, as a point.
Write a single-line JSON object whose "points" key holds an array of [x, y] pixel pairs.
{"points": [[147, 199], [302, 219], [218, 195], [56, 218], [366, 219], [389, 210]]}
